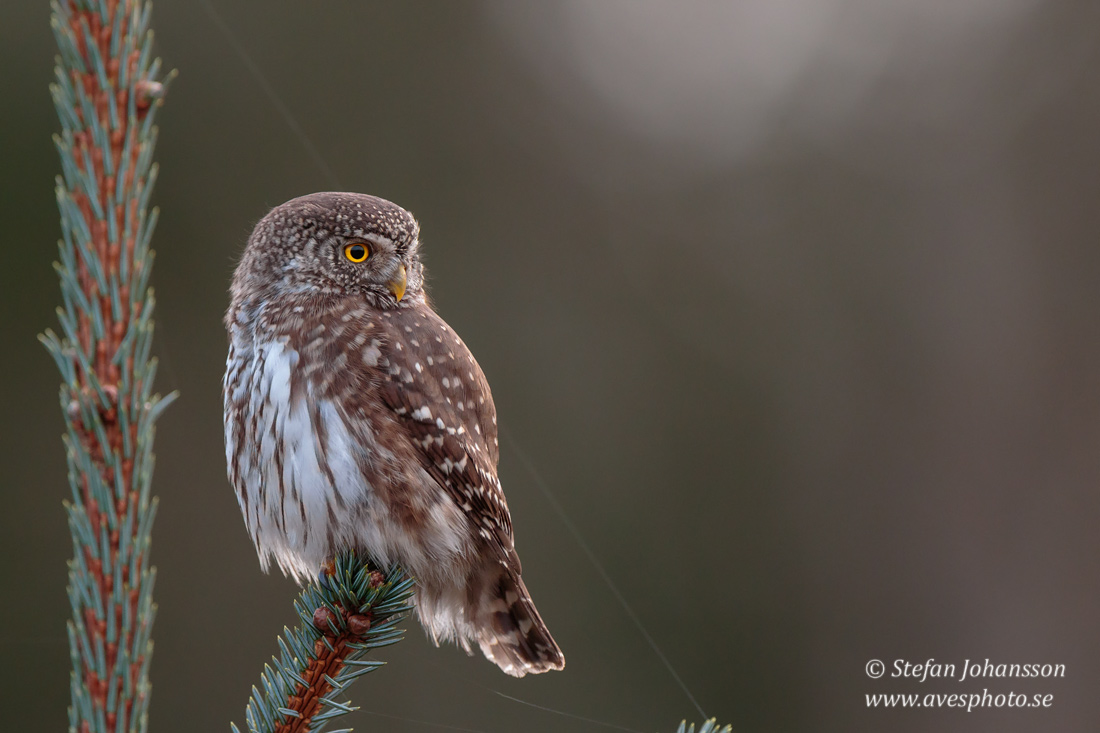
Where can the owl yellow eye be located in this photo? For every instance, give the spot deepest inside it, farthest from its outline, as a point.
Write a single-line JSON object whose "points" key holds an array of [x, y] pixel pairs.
{"points": [[356, 252]]}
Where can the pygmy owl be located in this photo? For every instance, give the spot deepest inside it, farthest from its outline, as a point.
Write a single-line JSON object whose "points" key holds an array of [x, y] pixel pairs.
{"points": [[355, 418]]}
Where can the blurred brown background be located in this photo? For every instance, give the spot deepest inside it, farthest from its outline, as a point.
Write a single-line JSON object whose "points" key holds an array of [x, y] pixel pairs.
{"points": [[793, 304]]}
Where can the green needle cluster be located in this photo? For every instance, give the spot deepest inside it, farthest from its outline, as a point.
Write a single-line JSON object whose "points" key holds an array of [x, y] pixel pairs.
{"points": [[352, 612]]}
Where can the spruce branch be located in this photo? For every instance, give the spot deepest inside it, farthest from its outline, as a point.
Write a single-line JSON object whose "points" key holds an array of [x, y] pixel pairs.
{"points": [[354, 611], [710, 726], [106, 94]]}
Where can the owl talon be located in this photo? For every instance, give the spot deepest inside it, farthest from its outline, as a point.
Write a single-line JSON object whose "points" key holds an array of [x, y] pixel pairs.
{"points": [[328, 569]]}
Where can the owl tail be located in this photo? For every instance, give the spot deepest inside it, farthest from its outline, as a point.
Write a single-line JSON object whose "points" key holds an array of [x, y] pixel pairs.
{"points": [[510, 631]]}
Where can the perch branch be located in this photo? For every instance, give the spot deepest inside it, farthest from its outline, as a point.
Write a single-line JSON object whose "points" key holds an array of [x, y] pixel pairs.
{"points": [[353, 612]]}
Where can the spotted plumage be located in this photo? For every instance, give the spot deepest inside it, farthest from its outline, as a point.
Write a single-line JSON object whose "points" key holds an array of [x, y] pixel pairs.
{"points": [[356, 418]]}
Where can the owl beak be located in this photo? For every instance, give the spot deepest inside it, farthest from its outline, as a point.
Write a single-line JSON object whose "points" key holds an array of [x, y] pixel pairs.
{"points": [[397, 285]]}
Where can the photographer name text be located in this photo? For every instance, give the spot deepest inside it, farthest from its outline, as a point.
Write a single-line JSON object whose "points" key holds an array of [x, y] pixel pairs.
{"points": [[933, 670]]}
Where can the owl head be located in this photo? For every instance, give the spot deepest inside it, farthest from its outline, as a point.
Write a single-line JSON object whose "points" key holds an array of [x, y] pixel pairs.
{"points": [[334, 243]]}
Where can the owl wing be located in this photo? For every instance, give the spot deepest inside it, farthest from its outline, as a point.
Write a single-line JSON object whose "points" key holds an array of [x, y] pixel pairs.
{"points": [[438, 393]]}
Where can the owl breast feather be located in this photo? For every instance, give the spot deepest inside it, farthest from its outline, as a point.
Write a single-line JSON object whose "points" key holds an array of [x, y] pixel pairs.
{"points": [[311, 479], [291, 459]]}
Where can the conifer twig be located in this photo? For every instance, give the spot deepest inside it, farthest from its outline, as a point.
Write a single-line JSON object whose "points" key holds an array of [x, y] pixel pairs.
{"points": [[355, 611], [709, 726], [106, 92]]}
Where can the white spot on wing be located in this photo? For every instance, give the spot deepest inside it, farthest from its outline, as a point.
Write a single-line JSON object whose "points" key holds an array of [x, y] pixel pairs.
{"points": [[372, 353]]}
